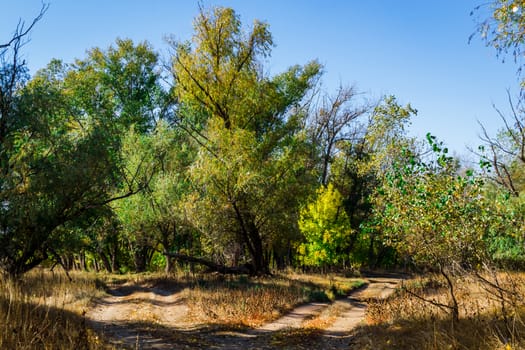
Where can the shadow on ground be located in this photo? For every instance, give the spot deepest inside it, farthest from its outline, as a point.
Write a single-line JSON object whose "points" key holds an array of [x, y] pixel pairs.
{"points": [[149, 335]]}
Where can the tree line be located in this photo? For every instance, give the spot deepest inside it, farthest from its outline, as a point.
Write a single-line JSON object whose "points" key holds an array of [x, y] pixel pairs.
{"points": [[119, 161]]}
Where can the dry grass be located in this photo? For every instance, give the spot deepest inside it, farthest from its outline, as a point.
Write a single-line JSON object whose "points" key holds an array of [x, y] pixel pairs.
{"points": [[243, 301], [333, 285], [491, 317], [44, 310], [251, 302]]}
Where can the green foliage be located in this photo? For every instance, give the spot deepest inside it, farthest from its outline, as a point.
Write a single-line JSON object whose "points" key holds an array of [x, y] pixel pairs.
{"points": [[432, 214], [98, 162], [326, 229], [59, 170], [385, 136], [61, 150], [359, 168], [124, 81], [504, 29], [505, 238], [251, 152], [157, 215]]}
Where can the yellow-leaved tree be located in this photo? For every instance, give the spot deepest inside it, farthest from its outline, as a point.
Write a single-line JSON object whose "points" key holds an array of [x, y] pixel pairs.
{"points": [[326, 229]]}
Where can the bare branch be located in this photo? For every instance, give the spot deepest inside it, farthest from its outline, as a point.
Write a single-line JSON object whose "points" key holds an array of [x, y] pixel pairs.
{"points": [[507, 148], [20, 33], [430, 301]]}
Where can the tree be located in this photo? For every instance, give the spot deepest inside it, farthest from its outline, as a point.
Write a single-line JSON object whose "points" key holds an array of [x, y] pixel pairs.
{"points": [[326, 229], [13, 73], [249, 165], [61, 156], [360, 165], [157, 216], [335, 121], [505, 152], [434, 216], [504, 29], [121, 83]]}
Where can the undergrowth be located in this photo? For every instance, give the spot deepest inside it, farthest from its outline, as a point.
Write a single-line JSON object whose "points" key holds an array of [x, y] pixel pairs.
{"points": [[44, 310], [492, 316]]}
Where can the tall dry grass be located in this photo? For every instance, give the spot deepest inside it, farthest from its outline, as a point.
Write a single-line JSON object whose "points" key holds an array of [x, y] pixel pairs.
{"points": [[492, 315], [251, 302], [44, 310]]}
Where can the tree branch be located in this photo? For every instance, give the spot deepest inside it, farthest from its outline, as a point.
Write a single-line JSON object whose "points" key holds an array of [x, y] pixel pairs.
{"points": [[20, 32]]}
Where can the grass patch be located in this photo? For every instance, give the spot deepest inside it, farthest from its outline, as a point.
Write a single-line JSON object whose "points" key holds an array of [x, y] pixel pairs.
{"points": [[244, 301], [251, 302], [487, 321], [327, 287], [44, 310]]}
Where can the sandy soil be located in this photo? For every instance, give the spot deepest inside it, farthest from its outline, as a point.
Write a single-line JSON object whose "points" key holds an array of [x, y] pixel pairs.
{"points": [[121, 316], [350, 311]]}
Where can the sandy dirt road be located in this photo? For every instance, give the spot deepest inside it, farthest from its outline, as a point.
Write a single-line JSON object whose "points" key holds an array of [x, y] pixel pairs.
{"points": [[120, 317]]}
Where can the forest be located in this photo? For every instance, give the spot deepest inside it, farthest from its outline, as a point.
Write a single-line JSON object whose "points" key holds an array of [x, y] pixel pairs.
{"points": [[124, 161]]}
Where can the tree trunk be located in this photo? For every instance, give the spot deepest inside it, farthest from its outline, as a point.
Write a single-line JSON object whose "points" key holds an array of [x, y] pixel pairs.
{"points": [[106, 262], [252, 239], [82, 261], [115, 266], [259, 261], [166, 231], [140, 256], [210, 264], [454, 308], [168, 267]]}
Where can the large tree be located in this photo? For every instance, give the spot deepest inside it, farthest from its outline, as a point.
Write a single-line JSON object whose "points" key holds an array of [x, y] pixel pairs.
{"points": [[60, 146], [433, 215], [359, 165], [336, 120], [250, 164]]}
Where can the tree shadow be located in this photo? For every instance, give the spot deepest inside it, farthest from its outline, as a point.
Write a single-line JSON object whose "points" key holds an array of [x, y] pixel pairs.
{"points": [[146, 335]]}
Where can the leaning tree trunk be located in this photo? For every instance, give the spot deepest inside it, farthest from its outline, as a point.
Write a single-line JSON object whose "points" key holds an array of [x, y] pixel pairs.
{"points": [[260, 263]]}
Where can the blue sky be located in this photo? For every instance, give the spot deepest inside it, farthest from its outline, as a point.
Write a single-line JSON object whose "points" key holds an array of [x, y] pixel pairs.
{"points": [[417, 50]]}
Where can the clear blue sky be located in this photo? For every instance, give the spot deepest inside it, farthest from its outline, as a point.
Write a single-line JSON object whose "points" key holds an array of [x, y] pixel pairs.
{"points": [[417, 50]]}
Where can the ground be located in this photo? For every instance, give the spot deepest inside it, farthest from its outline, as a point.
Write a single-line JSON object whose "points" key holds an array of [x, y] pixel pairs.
{"points": [[120, 318]]}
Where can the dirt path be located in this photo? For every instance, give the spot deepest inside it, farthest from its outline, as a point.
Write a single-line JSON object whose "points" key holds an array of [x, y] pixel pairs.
{"points": [[135, 316], [155, 317], [293, 319], [350, 311]]}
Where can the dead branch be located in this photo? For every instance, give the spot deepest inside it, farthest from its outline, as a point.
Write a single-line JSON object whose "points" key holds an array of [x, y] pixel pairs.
{"points": [[20, 32]]}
